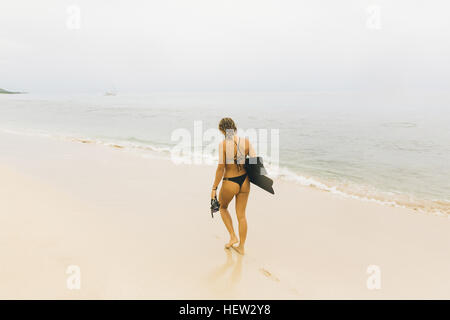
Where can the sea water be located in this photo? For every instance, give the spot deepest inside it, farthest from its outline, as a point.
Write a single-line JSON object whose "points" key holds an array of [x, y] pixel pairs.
{"points": [[390, 147]]}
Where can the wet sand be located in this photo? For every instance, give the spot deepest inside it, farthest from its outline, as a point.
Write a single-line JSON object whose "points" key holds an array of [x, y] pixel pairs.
{"points": [[140, 228]]}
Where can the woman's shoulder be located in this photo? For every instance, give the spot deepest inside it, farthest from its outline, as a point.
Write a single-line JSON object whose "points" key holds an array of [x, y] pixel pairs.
{"points": [[223, 145], [242, 139], [245, 141]]}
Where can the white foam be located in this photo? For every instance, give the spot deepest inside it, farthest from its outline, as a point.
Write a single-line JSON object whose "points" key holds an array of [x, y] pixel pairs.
{"points": [[274, 171]]}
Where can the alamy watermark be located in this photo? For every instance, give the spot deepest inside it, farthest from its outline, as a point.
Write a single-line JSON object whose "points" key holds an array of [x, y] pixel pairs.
{"points": [[73, 21], [373, 21], [374, 280], [202, 146], [73, 281]]}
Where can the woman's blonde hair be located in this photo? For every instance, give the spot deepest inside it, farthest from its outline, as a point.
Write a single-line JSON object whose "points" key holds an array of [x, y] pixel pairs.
{"points": [[226, 125]]}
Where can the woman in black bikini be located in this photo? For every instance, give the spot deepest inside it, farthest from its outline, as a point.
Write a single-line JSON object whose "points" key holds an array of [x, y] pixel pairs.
{"points": [[232, 153]]}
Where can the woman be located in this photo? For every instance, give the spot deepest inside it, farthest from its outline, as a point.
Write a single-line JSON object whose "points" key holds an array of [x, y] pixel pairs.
{"points": [[232, 153]]}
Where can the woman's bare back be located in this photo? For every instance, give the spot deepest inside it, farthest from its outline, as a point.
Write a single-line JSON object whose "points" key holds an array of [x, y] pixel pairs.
{"points": [[234, 151]]}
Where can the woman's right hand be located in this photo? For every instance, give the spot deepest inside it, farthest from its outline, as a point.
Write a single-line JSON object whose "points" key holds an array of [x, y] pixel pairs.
{"points": [[213, 194]]}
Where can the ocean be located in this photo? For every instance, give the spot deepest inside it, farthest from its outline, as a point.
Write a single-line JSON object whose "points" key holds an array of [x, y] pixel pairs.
{"points": [[392, 148]]}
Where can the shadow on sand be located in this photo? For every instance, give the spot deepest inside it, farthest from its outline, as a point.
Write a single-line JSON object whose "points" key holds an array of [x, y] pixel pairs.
{"points": [[218, 279]]}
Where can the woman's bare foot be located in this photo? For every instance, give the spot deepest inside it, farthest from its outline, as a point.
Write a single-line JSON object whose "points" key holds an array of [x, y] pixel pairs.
{"points": [[230, 243], [239, 249]]}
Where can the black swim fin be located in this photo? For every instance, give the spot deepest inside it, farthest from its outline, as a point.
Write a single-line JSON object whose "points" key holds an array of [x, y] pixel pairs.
{"points": [[263, 182], [256, 173]]}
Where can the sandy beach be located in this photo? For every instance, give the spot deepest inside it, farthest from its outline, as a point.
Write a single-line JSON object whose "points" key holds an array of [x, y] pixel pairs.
{"points": [[140, 228]]}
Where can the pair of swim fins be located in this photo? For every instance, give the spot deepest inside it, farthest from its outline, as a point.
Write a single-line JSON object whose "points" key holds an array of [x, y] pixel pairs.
{"points": [[256, 174]]}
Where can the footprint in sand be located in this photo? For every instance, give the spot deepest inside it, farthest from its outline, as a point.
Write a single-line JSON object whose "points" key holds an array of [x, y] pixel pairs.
{"points": [[269, 275], [272, 277]]}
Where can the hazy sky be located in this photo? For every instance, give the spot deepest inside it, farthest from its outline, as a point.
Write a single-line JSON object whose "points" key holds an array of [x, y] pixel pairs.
{"points": [[211, 45]]}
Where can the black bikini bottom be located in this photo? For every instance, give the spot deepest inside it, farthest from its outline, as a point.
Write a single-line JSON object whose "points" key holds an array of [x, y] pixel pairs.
{"points": [[239, 180]]}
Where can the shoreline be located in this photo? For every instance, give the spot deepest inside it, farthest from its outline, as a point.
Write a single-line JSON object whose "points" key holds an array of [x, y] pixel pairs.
{"points": [[400, 200], [140, 228]]}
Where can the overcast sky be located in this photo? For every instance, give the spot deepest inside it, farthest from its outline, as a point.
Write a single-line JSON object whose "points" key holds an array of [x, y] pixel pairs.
{"points": [[233, 45]]}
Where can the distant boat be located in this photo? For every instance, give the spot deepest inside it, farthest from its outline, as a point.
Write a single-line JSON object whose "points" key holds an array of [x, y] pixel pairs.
{"points": [[112, 92]]}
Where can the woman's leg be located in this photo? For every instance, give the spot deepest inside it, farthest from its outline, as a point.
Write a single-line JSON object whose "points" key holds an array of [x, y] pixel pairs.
{"points": [[241, 205], [227, 192]]}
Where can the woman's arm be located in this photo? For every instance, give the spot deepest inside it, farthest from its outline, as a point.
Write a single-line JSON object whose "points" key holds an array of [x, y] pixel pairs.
{"points": [[219, 174], [219, 171], [251, 151]]}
